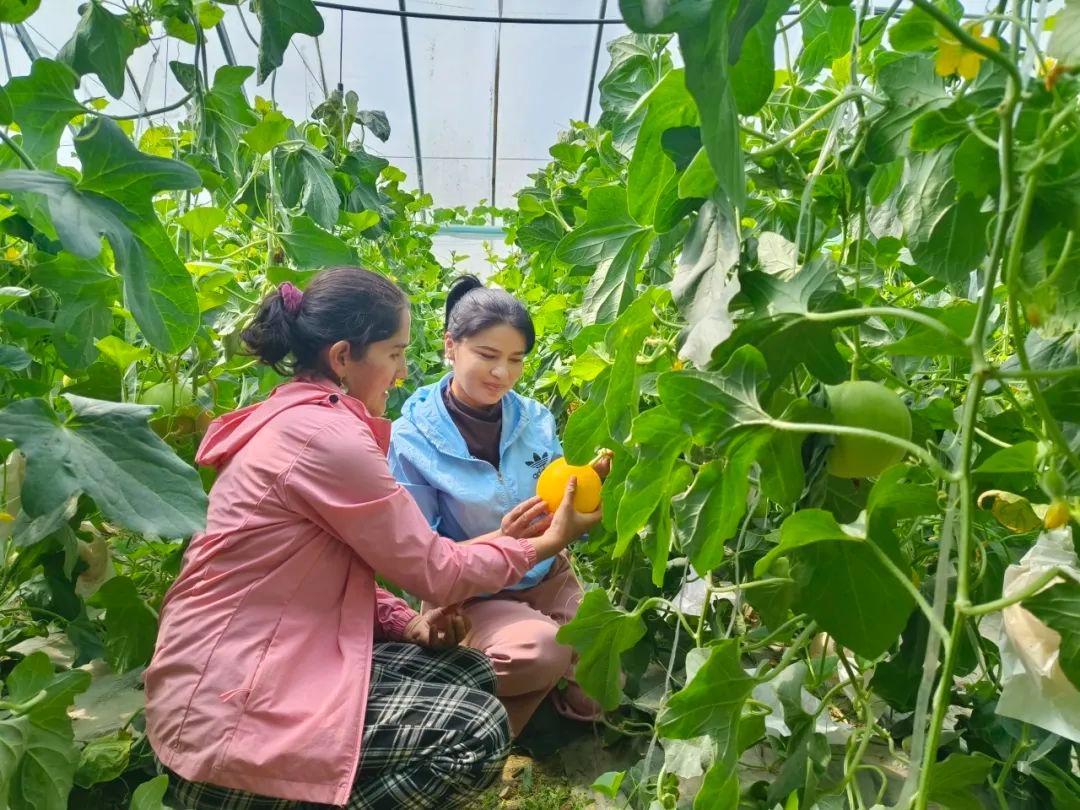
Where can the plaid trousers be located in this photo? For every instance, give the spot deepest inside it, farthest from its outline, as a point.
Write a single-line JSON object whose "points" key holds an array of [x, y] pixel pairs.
{"points": [[434, 736]]}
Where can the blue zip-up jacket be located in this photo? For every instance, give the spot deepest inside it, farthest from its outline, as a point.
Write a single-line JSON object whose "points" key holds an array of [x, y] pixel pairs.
{"points": [[462, 496]]}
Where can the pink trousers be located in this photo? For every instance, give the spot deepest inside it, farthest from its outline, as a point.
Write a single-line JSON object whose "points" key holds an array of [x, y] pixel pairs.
{"points": [[516, 630]]}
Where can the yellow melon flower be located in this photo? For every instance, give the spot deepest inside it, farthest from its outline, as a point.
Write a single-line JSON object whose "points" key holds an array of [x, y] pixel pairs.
{"points": [[1050, 71], [954, 59]]}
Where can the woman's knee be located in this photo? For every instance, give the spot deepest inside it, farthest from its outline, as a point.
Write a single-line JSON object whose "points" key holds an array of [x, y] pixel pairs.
{"points": [[531, 650], [489, 738]]}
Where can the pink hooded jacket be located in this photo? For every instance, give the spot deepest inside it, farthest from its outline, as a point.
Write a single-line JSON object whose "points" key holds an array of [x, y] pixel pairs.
{"points": [[260, 677]]}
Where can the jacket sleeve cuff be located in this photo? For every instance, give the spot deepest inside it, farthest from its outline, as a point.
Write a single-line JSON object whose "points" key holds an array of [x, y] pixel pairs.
{"points": [[530, 551], [392, 615], [398, 621]]}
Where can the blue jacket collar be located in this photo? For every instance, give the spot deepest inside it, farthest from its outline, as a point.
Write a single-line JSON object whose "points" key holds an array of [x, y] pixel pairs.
{"points": [[428, 412]]}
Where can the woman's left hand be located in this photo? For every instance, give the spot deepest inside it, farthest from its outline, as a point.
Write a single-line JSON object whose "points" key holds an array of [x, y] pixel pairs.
{"points": [[438, 628], [528, 519]]}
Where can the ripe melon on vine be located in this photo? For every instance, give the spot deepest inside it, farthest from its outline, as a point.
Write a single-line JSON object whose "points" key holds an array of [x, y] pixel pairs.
{"points": [[166, 396], [870, 405], [551, 486], [178, 415]]}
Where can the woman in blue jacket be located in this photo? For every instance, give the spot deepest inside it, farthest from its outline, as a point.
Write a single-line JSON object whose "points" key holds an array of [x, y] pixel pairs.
{"points": [[470, 449]]}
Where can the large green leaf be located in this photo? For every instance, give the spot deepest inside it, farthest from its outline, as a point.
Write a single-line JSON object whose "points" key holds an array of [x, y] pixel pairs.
{"points": [[782, 474], [202, 221], [827, 34], [714, 404], [14, 733], [158, 288], [720, 788], [954, 780], [306, 181], [630, 75], [79, 324], [35, 674], [107, 451], [842, 583], [80, 219], [1059, 608], [670, 105], [87, 292], [659, 439], [913, 89], [44, 775], [779, 328], [13, 358], [752, 76], [711, 703], [114, 167], [280, 20], [608, 226], [613, 283], [101, 44], [626, 337], [705, 49], [709, 513], [946, 236], [130, 625], [312, 248], [225, 114], [706, 280], [914, 31], [268, 133], [42, 105], [601, 633]]}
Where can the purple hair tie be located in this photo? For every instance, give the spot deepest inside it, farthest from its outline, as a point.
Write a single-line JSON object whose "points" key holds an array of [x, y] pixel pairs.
{"points": [[292, 297]]}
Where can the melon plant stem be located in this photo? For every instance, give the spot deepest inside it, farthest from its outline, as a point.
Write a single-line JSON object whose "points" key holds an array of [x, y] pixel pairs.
{"points": [[25, 158], [1050, 425], [977, 342], [809, 123]]}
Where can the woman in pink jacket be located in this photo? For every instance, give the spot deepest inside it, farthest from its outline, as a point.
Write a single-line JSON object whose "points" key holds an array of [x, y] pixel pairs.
{"points": [[283, 675]]}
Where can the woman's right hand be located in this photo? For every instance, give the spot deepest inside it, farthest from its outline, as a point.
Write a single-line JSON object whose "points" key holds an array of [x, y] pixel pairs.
{"points": [[567, 525]]}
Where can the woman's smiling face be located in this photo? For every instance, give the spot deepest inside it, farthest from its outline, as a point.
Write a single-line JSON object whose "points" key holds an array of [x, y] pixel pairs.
{"points": [[486, 365]]}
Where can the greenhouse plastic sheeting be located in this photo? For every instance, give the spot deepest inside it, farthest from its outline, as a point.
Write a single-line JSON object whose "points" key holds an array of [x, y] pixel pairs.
{"points": [[543, 80]]}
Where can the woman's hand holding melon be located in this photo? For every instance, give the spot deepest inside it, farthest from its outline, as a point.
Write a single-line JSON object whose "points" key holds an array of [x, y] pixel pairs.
{"points": [[573, 496], [528, 519]]}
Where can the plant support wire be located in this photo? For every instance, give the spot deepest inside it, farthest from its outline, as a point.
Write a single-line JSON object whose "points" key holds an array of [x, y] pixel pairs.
{"points": [[595, 61], [412, 94], [433, 15], [495, 111]]}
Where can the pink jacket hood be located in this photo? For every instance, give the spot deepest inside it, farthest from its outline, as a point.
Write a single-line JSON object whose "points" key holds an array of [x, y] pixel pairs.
{"points": [[260, 677], [228, 433]]}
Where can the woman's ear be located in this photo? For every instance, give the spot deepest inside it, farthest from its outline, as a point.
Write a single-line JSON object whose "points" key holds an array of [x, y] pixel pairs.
{"points": [[448, 348], [337, 358]]}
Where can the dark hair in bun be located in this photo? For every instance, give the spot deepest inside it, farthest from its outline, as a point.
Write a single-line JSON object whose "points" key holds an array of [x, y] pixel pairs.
{"points": [[339, 303], [471, 308]]}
